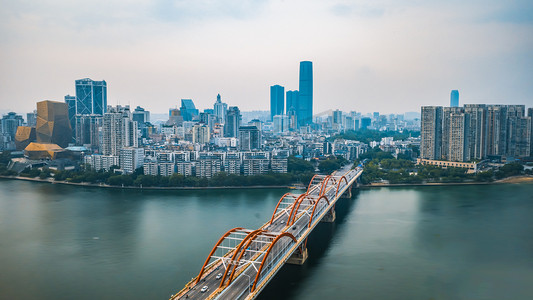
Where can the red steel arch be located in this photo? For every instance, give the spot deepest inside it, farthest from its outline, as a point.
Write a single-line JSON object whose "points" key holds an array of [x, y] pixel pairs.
{"points": [[276, 209], [299, 200], [339, 185], [325, 185], [244, 250], [311, 182], [237, 249], [224, 236], [316, 204], [287, 234]]}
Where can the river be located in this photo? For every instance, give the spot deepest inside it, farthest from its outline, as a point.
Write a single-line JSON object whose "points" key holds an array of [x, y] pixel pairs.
{"points": [[435, 242]]}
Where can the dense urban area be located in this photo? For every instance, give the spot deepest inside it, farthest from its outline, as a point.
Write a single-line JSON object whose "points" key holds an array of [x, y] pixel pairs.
{"points": [[83, 140]]}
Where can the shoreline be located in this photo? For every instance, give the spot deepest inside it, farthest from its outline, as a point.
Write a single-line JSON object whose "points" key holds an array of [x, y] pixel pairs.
{"points": [[156, 188], [508, 180]]}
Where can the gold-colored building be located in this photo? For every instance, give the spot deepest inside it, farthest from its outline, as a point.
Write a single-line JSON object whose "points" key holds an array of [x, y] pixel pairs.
{"points": [[36, 151], [24, 136], [53, 125]]}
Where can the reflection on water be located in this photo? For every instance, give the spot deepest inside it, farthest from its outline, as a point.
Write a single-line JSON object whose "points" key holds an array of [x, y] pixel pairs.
{"points": [[449, 242]]}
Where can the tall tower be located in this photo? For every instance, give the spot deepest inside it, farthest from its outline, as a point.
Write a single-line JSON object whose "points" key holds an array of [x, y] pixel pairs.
{"points": [[305, 109], [91, 97], [277, 100], [431, 132], [454, 98]]}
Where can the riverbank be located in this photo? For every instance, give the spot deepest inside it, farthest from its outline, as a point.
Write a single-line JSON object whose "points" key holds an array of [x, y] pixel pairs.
{"points": [[513, 179], [103, 185], [509, 180]]}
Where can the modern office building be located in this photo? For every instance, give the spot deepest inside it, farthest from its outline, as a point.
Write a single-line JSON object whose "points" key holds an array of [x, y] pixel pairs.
{"points": [[454, 98], [9, 124], [220, 109], [233, 122], [71, 104], [281, 123], [91, 97], [365, 122], [88, 130], [277, 100], [292, 101], [140, 115], [305, 96], [53, 125], [188, 110], [249, 138]]}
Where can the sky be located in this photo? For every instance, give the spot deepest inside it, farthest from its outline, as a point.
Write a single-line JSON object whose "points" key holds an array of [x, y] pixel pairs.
{"points": [[383, 55]]}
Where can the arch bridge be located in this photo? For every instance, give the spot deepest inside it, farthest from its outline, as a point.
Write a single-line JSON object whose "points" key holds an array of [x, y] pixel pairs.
{"points": [[243, 261]]}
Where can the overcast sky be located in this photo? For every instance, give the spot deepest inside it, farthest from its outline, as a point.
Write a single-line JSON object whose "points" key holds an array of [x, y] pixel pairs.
{"points": [[367, 55]]}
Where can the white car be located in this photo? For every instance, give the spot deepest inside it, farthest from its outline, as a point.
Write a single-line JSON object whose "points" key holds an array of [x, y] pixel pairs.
{"points": [[219, 275], [204, 289]]}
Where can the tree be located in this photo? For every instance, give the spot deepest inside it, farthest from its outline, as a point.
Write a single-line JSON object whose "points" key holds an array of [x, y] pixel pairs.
{"points": [[295, 165]]}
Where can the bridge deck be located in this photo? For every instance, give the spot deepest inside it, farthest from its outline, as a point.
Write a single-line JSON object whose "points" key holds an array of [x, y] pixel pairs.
{"points": [[244, 261]]}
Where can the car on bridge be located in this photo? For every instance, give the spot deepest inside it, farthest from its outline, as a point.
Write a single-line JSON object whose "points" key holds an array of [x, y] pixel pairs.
{"points": [[219, 275], [204, 289]]}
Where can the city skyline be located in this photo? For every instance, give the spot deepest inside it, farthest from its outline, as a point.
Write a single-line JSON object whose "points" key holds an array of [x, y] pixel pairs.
{"points": [[382, 56]]}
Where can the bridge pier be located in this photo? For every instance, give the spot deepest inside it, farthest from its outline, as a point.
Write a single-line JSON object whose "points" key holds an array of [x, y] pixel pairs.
{"points": [[330, 216], [348, 193], [298, 257]]}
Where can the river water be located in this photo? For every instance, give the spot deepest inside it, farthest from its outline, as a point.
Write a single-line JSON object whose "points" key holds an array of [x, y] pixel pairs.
{"points": [[439, 242]]}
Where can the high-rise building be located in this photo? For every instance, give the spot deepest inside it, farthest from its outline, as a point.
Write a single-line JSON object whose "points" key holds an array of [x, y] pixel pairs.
{"points": [[281, 124], [454, 98], [130, 159], [220, 109], [31, 119], [365, 122], [305, 100], [431, 132], [292, 101], [140, 115], [477, 143], [249, 138], [337, 117], [88, 130], [9, 124], [118, 131], [53, 125], [530, 115], [71, 104], [200, 134], [476, 131], [277, 100], [91, 97], [233, 122], [188, 110]]}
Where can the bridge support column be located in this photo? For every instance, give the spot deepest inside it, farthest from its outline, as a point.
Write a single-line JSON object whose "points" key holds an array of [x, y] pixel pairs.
{"points": [[330, 216], [298, 257], [348, 193]]}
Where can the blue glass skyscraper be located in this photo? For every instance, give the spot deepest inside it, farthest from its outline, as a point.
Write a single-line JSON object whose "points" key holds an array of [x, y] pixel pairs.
{"points": [[305, 110], [292, 101], [277, 100], [91, 97], [188, 110], [454, 98]]}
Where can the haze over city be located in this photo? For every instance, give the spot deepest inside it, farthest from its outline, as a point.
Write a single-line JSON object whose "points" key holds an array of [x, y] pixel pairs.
{"points": [[368, 56]]}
